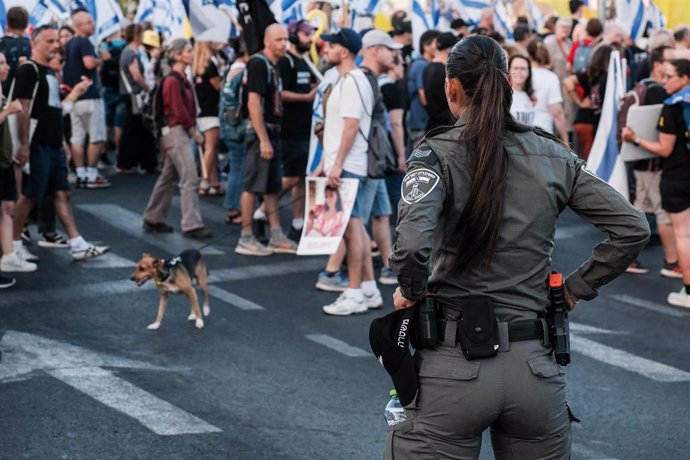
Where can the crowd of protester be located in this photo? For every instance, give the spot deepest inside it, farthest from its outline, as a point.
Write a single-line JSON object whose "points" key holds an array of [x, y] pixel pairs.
{"points": [[161, 106]]}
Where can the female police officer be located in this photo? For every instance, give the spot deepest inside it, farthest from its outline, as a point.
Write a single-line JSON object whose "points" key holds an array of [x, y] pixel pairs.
{"points": [[478, 211]]}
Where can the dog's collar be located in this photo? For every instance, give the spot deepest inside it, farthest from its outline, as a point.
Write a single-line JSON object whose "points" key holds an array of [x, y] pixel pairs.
{"points": [[167, 270]]}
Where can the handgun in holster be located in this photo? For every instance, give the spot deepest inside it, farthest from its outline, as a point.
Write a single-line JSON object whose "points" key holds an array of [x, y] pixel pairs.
{"points": [[557, 320], [427, 322]]}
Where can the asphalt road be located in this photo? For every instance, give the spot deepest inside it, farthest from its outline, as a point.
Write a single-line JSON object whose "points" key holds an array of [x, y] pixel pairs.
{"points": [[270, 376]]}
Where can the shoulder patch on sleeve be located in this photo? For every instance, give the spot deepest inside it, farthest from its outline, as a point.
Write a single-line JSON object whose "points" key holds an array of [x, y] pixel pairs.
{"points": [[423, 153], [418, 184]]}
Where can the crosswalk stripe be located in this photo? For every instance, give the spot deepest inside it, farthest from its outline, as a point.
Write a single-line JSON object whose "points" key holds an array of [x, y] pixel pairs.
{"points": [[130, 223], [107, 260], [566, 232], [624, 360], [233, 299], [651, 306], [293, 266], [158, 415], [338, 345]]}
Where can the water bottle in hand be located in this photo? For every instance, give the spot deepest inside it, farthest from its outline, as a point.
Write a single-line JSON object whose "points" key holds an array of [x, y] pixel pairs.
{"points": [[394, 412]]}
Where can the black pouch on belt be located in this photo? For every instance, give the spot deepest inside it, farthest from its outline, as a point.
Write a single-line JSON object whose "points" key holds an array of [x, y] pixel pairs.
{"points": [[478, 330]]}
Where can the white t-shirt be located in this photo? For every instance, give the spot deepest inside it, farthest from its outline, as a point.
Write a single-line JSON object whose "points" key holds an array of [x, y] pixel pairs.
{"points": [[346, 101], [547, 90], [522, 108]]}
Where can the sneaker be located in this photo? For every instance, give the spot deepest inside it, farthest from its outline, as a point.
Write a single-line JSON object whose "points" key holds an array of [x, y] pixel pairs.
{"points": [[158, 227], [294, 234], [344, 306], [250, 246], [53, 240], [679, 299], [14, 263], [89, 252], [200, 233], [6, 281], [388, 277], [332, 282], [81, 182], [72, 178], [375, 251], [637, 268], [26, 235], [280, 244], [374, 301], [26, 255], [671, 270], [98, 182]]}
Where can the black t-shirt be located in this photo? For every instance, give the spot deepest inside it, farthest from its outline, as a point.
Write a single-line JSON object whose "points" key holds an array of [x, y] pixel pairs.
{"points": [[262, 78], [75, 51], [47, 108], [297, 77], [671, 121], [434, 77], [206, 94], [595, 91], [13, 48]]}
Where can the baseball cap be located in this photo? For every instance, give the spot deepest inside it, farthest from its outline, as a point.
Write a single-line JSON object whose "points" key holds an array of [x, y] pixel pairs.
{"points": [[151, 38], [347, 38], [300, 25], [379, 38], [389, 338]]}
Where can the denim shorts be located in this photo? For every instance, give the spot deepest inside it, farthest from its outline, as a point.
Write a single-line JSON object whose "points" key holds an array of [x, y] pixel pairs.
{"points": [[366, 193], [48, 172], [382, 203]]}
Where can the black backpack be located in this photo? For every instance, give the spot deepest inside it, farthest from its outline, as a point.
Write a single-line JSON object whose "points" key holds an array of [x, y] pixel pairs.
{"points": [[153, 114], [13, 48], [110, 70]]}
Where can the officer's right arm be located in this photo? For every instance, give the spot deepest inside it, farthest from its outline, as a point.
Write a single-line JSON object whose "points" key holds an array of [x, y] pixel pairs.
{"points": [[627, 230], [423, 192]]}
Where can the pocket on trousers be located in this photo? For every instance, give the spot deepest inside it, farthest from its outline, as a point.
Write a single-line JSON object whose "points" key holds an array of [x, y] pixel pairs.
{"points": [[449, 368], [545, 366], [399, 428]]}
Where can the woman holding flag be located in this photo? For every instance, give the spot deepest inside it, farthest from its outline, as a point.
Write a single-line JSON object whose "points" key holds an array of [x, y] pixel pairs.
{"points": [[674, 146]]}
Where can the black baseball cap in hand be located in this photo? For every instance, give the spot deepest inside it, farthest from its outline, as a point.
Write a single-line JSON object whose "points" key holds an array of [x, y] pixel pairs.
{"points": [[389, 337], [346, 38]]}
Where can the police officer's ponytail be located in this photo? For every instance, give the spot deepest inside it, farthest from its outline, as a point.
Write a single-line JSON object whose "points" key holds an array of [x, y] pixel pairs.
{"points": [[480, 64]]}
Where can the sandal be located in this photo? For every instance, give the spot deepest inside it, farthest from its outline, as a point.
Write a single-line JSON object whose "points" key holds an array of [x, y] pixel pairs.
{"points": [[216, 190], [204, 187], [233, 217]]}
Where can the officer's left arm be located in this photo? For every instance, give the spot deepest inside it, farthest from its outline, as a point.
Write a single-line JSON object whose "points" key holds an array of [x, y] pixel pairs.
{"points": [[626, 228], [423, 192]]}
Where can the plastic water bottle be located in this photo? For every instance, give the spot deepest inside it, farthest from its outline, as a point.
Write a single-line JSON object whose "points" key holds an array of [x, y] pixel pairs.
{"points": [[394, 412]]}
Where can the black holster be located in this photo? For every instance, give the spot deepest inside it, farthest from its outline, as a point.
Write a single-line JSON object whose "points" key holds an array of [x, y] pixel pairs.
{"points": [[427, 322], [478, 329]]}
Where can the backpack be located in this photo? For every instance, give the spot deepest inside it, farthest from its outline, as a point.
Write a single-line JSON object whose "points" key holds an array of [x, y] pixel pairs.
{"points": [[110, 70], [153, 115], [636, 96], [583, 55], [14, 48], [231, 110]]}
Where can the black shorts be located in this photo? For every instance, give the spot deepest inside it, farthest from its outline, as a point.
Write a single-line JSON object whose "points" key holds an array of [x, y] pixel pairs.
{"points": [[8, 184], [675, 195], [264, 177], [295, 156], [48, 172]]}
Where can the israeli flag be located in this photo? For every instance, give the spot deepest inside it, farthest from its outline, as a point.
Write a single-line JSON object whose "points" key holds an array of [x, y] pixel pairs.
{"points": [[603, 158], [286, 11], [535, 13], [421, 22], [631, 16], [471, 10], [330, 78], [655, 17], [502, 22], [39, 11], [107, 15], [167, 16]]}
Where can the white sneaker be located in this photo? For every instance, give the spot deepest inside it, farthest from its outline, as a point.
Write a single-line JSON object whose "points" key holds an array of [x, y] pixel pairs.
{"points": [[344, 306], [679, 299], [14, 263], [374, 301], [89, 252], [24, 253]]}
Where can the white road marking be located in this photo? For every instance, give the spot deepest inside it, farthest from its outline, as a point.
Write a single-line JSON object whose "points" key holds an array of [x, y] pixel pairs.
{"points": [[290, 267], [651, 306], [564, 233], [627, 361], [233, 299], [23, 354], [338, 345], [586, 453], [585, 329], [107, 260], [130, 222], [157, 415]]}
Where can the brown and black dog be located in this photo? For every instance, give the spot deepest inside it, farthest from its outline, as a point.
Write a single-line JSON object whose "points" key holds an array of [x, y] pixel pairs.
{"points": [[174, 276]]}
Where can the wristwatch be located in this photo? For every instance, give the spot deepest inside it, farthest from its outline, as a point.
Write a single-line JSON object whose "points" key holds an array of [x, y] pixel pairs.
{"points": [[636, 141]]}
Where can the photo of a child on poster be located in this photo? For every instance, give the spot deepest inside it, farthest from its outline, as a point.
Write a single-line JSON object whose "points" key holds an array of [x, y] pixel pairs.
{"points": [[327, 213]]}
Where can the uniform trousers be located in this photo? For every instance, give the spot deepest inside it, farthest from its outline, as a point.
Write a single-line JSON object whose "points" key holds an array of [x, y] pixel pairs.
{"points": [[179, 168], [520, 394]]}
